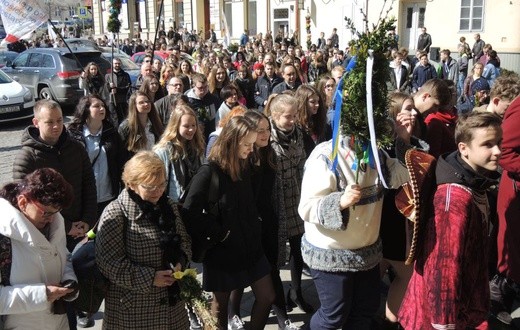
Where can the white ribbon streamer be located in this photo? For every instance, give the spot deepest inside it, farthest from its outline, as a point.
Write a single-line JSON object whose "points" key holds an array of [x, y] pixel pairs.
{"points": [[370, 116]]}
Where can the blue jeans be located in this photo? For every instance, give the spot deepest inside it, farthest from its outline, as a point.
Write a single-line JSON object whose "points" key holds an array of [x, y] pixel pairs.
{"points": [[349, 300]]}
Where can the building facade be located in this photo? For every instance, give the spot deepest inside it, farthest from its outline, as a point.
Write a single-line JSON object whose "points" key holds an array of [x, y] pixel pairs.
{"points": [[498, 22]]}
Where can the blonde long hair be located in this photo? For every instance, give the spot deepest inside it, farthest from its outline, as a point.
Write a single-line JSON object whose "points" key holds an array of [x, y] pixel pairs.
{"points": [[171, 134]]}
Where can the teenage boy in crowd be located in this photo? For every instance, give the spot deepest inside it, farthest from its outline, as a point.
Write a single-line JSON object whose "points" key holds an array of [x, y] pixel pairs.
{"points": [[449, 287]]}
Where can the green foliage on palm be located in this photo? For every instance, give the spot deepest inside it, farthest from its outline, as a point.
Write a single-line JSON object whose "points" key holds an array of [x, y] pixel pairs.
{"points": [[354, 121]]}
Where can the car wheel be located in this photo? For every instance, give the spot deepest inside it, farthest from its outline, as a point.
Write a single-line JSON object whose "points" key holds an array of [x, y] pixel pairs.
{"points": [[45, 94]]}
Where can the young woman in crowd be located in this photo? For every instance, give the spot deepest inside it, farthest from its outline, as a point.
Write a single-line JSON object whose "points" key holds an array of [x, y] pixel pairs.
{"points": [[476, 75], [264, 173], [140, 242], [91, 80], [317, 67], [181, 148], [152, 87], [142, 128], [217, 79], [229, 94], [287, 142], [235, 258], [34, 246], [393, 229], [302, 76], [167, 72], [238, 110], [326, 87], [312, 117], [186, 69], [245, 82], [91, 127]]}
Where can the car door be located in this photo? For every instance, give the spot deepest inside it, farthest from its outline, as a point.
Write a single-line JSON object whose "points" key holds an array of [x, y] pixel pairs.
{"points": [[34, 71], [18, 71]]}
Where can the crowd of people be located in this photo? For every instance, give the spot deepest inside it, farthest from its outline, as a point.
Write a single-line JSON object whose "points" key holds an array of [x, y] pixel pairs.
{"points": [[226, 161]]}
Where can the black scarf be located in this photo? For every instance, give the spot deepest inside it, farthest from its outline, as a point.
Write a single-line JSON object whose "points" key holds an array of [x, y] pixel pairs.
{"points": [[162, 215], [186, 167]]}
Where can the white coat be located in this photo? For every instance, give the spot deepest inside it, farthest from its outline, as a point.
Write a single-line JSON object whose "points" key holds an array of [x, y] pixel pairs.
{"points": [[37, 262]]}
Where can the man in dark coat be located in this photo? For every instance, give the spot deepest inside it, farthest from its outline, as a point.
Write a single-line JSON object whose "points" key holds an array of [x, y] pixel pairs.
{"points": [[204, 103], [289, 80], [424, 42], [47, 144], [265, 84], [116, 89]]}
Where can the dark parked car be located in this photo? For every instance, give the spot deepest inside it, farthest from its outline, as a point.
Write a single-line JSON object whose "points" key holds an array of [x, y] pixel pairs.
{"points": [[53, 73]]}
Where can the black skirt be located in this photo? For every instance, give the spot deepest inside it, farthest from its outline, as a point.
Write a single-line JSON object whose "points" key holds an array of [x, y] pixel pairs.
{"points": [[220, 280]]}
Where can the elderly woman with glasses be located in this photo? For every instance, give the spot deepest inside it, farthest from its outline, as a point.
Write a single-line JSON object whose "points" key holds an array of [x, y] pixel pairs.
{"points": [[140, 242], [36, 271]]}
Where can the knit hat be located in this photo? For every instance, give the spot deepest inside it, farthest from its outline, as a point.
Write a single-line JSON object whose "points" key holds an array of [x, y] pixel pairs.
{"points": [[258, 66], [412, 198]]}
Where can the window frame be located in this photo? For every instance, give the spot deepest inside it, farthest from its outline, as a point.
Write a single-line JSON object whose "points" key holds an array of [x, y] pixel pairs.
{"points": [[471, 16]]}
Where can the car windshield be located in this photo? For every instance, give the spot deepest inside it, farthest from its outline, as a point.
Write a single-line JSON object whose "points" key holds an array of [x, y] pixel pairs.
{"points": [[4, 79]]}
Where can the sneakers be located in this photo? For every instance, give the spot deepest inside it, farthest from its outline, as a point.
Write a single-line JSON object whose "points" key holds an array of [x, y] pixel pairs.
{"points": [[235, 323], [289, 326]]}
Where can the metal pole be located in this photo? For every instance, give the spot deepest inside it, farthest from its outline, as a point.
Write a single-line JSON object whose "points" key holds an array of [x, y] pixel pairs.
{"points": [[157, 28]]}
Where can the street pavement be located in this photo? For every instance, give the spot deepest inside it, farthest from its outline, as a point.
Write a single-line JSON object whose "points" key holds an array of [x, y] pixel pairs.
{"points": [[297, 316]]}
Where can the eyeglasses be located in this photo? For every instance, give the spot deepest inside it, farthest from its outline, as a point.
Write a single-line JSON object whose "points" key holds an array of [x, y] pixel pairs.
{"points": [[154, 188], [45, 214]]}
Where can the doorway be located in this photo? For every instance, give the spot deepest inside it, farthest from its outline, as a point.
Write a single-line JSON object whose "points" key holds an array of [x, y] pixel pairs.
{"points": [[413, 15]]}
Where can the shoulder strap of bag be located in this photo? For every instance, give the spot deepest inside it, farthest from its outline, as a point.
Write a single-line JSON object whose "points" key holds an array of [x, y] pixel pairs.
{"points": [[6, 258]]}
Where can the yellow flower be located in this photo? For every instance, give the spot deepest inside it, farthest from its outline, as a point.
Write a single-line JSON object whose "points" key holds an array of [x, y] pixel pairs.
{"points": [[188, 272]]}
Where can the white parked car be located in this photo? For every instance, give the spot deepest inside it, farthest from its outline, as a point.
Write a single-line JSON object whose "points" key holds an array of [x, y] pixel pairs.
{"points": [[16, 101]]}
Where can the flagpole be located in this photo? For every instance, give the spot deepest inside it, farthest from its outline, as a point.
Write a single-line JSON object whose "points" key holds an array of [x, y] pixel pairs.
{"points": [[157, 27]]}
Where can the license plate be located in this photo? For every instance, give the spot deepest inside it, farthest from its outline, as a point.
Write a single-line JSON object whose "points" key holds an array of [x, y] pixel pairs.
{"points": [[9, 109]]}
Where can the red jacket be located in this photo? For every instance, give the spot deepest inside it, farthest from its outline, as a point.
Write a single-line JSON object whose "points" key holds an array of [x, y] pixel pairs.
{"points": [[449, 286], [440, 134], [508, 203]]}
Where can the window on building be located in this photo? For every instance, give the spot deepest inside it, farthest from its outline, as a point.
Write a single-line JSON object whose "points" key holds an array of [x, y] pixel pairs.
{"points": [[471, 15], [252, 18], [422, 11], [228, 12]]}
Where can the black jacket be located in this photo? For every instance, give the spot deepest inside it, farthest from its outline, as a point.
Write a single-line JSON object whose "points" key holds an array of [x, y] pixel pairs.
{"points": [[70, 159], [206, 109], [263, 88], [282, 87], [111, 141], [237, 214]]}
